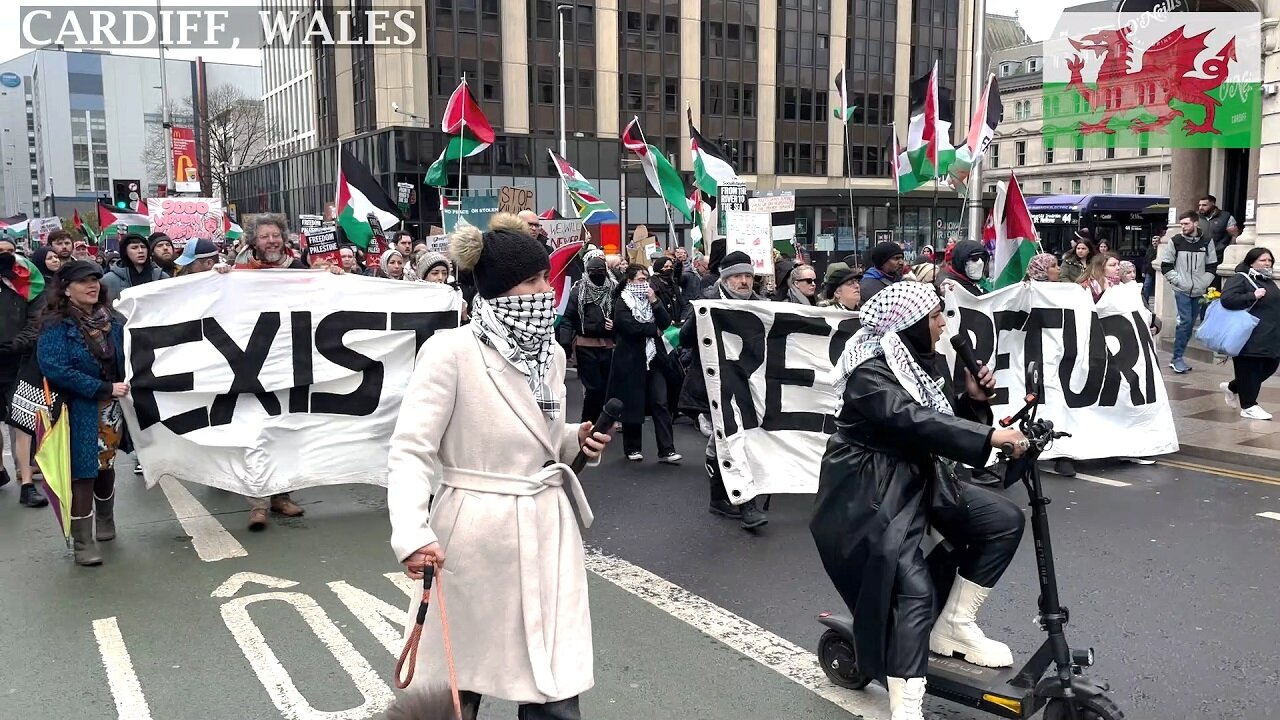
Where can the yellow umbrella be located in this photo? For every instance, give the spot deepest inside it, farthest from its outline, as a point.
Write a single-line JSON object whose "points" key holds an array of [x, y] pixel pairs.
{"points": [[53, 455]]}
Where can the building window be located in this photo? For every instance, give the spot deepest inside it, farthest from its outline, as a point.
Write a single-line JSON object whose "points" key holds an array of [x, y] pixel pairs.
{"points": [[1048, 153], [1075, 187], [1079, 157], [788, 165], [546, 86], [1111, 147], [671, 95], [991, 189], [586, 87], [1140, 184], [1033, 64], [1143, 145], [995, 155], [1046, 188], [1006, 69], [491, 81], [1108, 186], [1020, 152]]}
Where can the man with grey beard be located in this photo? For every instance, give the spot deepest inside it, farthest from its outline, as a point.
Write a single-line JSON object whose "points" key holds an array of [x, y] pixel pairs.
{"points": [[267, 247]]}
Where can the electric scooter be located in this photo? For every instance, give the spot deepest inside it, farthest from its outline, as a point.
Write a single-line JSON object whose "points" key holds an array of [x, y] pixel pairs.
{"points": [[1063, 691]]}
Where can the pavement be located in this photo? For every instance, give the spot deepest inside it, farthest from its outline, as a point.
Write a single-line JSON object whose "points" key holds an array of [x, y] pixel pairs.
{"points": [[1208, 428], [1169, 571]]}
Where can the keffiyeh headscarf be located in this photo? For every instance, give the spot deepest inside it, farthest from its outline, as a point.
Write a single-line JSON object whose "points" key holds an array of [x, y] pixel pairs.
{"points": [[521, 328], [589, 293], [1039, 265], [892, 311], [636, 296]]}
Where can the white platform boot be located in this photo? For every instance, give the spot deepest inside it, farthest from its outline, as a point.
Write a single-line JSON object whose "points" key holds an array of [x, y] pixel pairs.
{"points": [[906, 698], [956, 631]]}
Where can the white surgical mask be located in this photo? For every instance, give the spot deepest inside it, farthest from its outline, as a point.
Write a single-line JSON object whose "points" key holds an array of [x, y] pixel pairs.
{"points": [[973, 268]]}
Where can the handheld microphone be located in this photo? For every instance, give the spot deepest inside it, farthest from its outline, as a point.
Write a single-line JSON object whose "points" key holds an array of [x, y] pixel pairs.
{"points": [[964, 351], [610, 415]]}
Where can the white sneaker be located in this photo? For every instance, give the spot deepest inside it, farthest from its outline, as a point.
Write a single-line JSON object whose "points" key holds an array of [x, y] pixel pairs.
{"points": [[1233, 400], [956, 633], [906, 698], [672, 459], [704, 425], [635, 456], [1255, 413]]}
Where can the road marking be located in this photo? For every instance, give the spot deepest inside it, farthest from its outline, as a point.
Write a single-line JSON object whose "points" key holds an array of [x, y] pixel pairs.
{"points": [[232, 585], [782, 656], [1224, 472], [125, 688], [293, 705], [1270, 515], [1102, 480], [210, 539], [385, 621]]}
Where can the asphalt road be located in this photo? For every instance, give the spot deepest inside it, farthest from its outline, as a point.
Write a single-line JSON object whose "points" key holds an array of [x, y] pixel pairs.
{"points": [[1170, 577]]}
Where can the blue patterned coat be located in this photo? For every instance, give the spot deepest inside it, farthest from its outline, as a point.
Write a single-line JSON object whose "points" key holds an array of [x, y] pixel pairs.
{"points": [[75, 374]]}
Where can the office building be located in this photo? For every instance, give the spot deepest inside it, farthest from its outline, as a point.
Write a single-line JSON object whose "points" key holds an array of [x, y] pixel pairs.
{"points": [[70, 122], [756, 76]]}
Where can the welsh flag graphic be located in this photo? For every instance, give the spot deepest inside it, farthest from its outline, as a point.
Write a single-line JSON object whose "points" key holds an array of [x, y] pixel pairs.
{"points": [[1185, 79], [109, 222], [358, 196], [664, 178], [1010, 235], [471, 134]]}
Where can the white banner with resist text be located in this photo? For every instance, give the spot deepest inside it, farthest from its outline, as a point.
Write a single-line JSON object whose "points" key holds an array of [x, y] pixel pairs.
{"points": [[265, 381]]}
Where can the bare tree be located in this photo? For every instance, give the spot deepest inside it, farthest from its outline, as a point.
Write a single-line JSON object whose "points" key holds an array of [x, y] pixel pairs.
{"points": [[233, 135]]}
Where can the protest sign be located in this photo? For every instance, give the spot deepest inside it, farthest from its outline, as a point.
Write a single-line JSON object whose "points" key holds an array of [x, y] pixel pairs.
{"points": [[752, 233], [475, 209], [560, 232], [513, 199], [41, 227], [184, 219], [322, 244], [438, 243], [264, 382], [770, 375], [306, 223], [781, 206], [730, 196]]}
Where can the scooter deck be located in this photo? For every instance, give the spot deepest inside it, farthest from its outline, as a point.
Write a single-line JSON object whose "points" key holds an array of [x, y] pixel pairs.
{"points": [[988, 689]]}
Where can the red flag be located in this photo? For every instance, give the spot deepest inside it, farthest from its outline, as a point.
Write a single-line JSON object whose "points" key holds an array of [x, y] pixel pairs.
{"points": [[566, 268], [930, 135], [75, 220]]}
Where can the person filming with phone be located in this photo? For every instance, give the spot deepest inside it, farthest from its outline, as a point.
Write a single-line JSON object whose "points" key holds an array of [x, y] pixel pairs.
{"points": [[887, 476]]}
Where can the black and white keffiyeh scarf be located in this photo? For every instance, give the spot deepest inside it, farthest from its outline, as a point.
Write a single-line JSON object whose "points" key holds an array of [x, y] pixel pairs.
{"points": [[521, 328], [636, 296], [590, 293], [892, 310]]}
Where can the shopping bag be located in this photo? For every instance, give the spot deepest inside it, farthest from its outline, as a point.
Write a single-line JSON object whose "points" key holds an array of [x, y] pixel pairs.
{"points": [[1225, 331]]}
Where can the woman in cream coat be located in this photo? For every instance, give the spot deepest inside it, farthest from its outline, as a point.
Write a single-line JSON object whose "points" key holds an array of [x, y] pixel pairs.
{"points": [[482, 426]]}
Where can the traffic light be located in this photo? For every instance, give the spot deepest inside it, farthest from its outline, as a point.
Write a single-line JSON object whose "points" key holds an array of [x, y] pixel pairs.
{"points": [[125, 194]]}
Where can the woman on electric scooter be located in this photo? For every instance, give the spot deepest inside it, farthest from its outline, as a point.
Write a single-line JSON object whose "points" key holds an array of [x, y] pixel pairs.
{"points": [[885, 478]]}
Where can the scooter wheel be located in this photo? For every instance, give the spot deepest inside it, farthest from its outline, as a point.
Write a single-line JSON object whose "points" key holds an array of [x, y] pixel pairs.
{"points": [[840, 661], [1098, 707]]}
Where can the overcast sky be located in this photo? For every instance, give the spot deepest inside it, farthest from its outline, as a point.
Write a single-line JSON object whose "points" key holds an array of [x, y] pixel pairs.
{"points": [[1037, 17]]}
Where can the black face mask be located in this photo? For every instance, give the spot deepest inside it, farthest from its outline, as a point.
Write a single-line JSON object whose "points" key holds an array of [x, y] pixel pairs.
{"points": [[7, 261], [919, 341], [598, 276]]}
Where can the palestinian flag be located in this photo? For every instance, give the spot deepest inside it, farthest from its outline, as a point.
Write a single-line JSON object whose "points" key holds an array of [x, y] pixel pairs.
{"points": [[843, 111], [566, 269], [359, 195], [230, 230], [470, 130], [109, 222], [928, 137], [27, 280], [982, 129], [663, 178], [902, 170], [710, 166], [1010, 230], [702, 214]]}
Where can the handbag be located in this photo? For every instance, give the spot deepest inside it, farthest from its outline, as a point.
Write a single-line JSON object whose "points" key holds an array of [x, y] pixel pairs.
{"points": [[1226, 331], [944, 486], [32, 395]]}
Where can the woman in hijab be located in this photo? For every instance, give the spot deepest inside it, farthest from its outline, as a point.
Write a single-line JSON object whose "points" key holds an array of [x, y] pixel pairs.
{"points": [[481, 427], [81, 353], [587, 328], [638, 375], [1043, 268], [391, 265], [878, 492], [666, 286], [1128, 272], [48, 261]]}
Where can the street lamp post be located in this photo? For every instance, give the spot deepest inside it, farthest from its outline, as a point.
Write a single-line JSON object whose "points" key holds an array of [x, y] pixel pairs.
{"points": [[564, 145]]}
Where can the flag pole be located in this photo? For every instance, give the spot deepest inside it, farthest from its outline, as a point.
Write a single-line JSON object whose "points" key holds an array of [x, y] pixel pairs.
{"points": [[463, 131], [893, 126], [848, 181], [935, 210], [978, 71], [671, 225]]}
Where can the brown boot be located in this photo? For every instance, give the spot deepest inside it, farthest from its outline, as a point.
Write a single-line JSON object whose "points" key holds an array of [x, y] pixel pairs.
{"points": [[83, 545], [258, 519], [282, 504]]}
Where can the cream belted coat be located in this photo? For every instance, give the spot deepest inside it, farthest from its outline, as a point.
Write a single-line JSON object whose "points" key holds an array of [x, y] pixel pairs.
{"points": [[515, 583]]}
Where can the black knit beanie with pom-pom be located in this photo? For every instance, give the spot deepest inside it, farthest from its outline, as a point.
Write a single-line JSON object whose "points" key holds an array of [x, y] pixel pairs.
{"points": [[501, 258]]}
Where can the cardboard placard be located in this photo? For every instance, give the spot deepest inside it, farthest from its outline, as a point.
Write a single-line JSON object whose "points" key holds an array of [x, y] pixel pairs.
{"points": [[751, 233], [184, 219], [560, 232], [730, 197], [307, 223], [322, 244], [514, 199]]}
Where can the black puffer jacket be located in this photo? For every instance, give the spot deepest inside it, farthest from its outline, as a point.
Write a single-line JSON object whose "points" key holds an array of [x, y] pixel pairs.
{"points": [[693, 394], [1237, 294], [962, 251], [18, 331]]}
